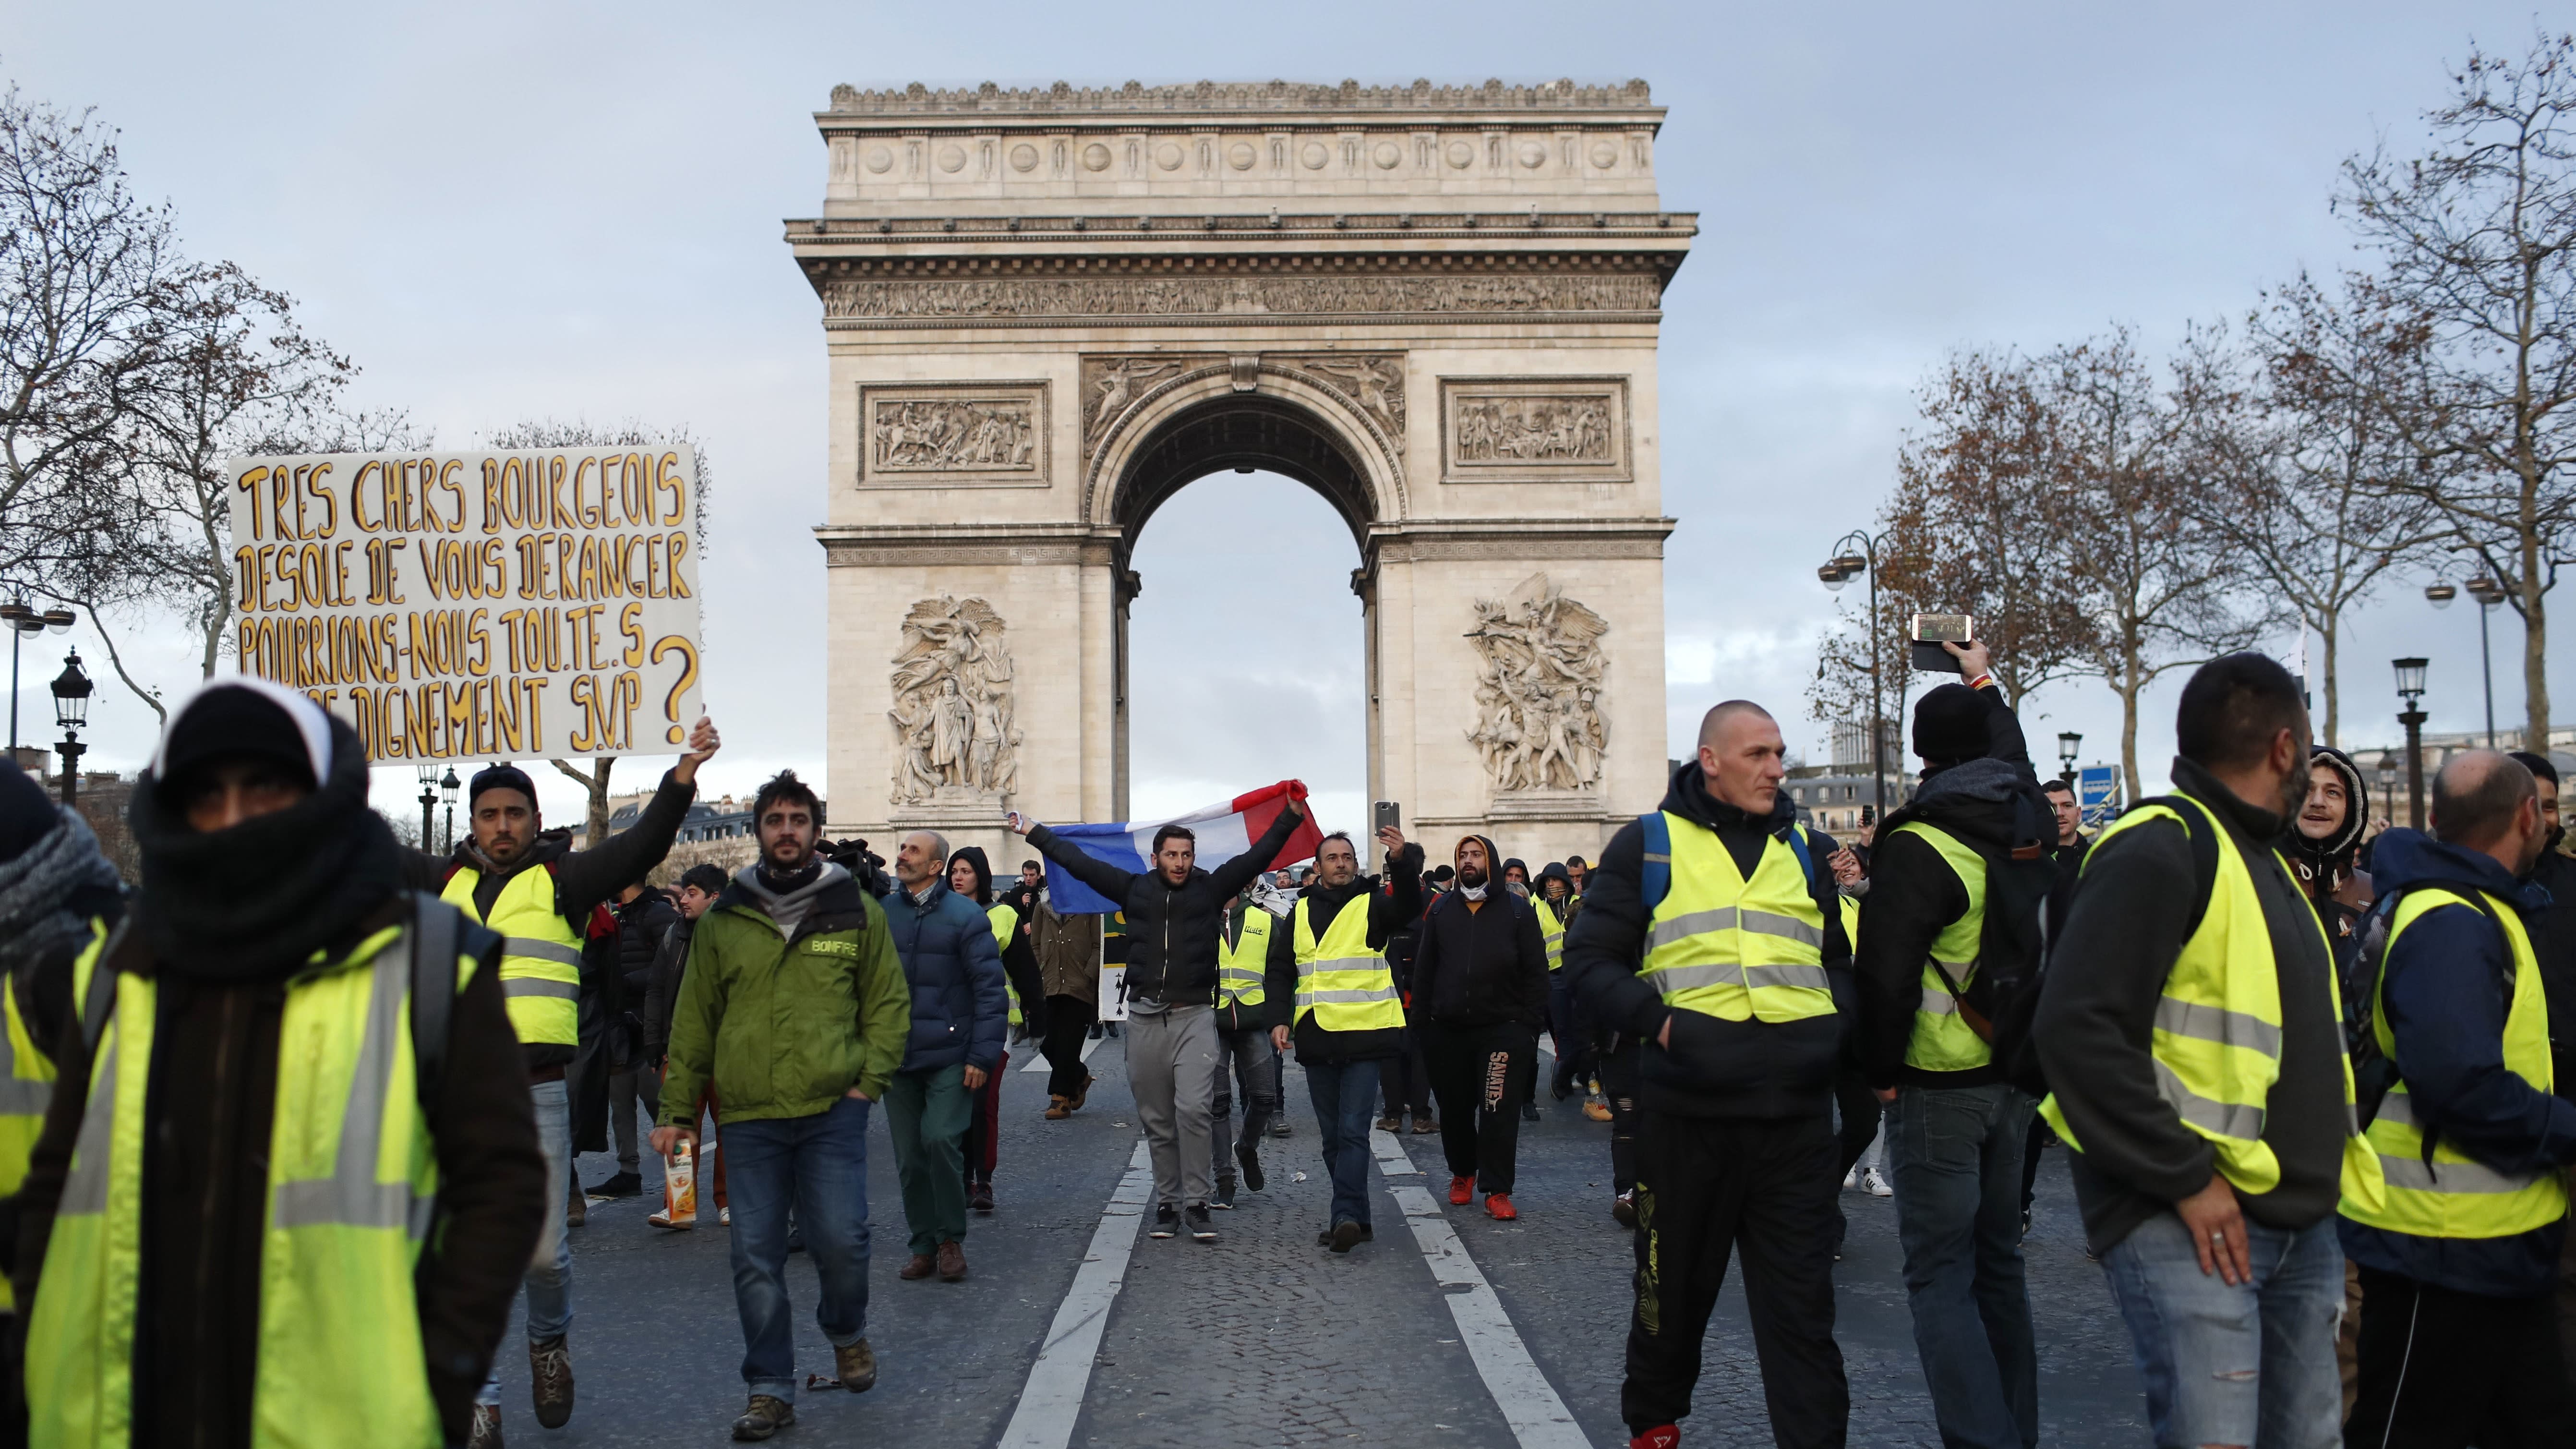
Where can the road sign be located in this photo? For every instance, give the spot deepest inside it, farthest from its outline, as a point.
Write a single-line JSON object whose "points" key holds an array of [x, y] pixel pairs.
{"points": [[2094, 787]]}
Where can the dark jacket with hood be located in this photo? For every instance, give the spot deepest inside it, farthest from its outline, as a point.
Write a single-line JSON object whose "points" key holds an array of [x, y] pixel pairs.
{"points": [[1713, 1068], [1481, 963], [642, 925], [1992, 805], [222, 921], [2444, 993], [2327, 870], [55, 890], [2097, 1011], [960, 1012], [1391, 904], [584, 879], [1171, 930]]}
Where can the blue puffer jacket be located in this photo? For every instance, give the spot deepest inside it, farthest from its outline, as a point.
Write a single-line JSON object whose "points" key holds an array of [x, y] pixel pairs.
{"points": [[959, 1012]]}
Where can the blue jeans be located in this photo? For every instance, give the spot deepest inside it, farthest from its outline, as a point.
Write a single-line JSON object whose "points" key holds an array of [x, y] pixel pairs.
{"points": [[820, 1165], [2253, 1364], [1345, 1094], [549, 1278], [1956, 1152]]}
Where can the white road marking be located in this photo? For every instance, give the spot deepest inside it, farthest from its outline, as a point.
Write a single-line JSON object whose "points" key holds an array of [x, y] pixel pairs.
{"points": [[1538, 1418], [1090, 1044], [1052, 1398]]}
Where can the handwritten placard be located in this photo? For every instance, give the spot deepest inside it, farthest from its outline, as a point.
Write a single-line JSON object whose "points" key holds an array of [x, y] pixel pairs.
{"points": [[463, 605]]}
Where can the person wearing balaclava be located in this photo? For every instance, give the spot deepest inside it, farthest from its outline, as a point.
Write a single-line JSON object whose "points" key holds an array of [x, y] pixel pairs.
{"points": [[526, 883], [207, 1238], [1956, 1129]]}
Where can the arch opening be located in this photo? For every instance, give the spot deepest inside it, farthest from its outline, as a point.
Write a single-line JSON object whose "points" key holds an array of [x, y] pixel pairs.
{"points": [[1242, 433]]}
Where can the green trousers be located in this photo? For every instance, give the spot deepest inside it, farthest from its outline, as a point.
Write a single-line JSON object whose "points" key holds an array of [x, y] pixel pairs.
{"points": [[927, 1111]]}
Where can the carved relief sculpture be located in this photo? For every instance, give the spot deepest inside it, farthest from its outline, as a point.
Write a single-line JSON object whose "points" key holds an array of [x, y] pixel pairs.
{"points": [[1374, 382], [1535, 430], [1538, 703], [952, 704], [1492, 429], [1111, 385], [1254, 296], [949, 433]]}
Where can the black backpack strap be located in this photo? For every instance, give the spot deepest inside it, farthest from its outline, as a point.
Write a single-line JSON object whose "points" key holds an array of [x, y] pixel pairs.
{"points": [[96, 1007], [435, 927]]}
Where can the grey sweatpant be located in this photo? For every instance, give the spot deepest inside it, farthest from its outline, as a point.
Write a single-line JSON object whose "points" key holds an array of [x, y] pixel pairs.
{"points": [[1171, 1067]]}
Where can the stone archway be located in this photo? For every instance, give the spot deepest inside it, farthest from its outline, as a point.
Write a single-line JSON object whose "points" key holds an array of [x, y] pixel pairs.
{"points": [[1048, 311]]}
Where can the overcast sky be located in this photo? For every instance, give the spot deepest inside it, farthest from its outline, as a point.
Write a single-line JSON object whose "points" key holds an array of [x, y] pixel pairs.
{"points": [[514, 210]]}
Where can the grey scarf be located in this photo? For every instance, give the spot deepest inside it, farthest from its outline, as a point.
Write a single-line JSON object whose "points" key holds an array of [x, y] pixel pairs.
{"points": [[34, 888], [787, 908]]}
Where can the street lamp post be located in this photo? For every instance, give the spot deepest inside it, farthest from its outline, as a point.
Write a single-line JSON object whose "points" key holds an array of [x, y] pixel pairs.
{"points": [[2388, 784], [447, 787], [71, 711], [2488, 593], [2068, 742], [1834, 573], [24, 623], [428, 797], [2410, 688]]}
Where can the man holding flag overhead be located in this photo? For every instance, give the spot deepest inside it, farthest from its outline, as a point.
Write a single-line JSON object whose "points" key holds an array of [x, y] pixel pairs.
{"points": [[1174, 910]]}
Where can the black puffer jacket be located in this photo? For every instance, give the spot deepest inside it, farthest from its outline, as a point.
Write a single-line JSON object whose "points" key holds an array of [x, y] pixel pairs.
{"points": [[1171, 930], [641, 925], [1713, 1068], [1481, 963]]}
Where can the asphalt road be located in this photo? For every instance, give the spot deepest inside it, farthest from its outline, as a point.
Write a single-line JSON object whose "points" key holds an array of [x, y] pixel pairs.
{"points": [[1264, 1338]]}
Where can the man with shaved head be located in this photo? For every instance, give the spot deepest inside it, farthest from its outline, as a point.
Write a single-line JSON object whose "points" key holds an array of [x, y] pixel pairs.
{"points": [[2459, 1327], [1709, 937]]}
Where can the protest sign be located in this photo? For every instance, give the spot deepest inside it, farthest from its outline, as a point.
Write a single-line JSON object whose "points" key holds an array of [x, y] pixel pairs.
{"points": [[460, 605]]}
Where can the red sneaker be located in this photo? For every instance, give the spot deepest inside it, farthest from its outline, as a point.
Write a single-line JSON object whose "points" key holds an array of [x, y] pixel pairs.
{"points": [[1667, 1437], [1500, 1206], [1462, 1190]]}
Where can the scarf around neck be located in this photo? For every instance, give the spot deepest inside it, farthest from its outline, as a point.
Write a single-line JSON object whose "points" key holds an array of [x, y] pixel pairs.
{"points": [[37, 888]]}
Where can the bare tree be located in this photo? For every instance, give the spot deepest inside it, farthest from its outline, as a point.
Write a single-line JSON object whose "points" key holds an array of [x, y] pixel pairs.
{"points": [[2478, 239], [535, 433], [2303, 475]]}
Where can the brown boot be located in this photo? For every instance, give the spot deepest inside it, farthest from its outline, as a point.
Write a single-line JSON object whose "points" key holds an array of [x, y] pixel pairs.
{"points": [[952, 1262], [1081, 1094], [550, 1381], [766, 1416], [857, 1365], [1059, 1107], [916, 1268]]}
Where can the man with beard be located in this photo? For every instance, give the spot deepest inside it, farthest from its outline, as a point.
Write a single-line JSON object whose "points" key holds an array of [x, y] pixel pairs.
{"points": [[274, 1214], [2459, 1332], [1480, 985], [793, 1014], [1330, 989], [1710, 933], [526, 884], [2199, 1082]]}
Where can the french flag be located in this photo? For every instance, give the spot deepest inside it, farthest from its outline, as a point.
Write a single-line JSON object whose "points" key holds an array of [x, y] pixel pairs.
{"points": [[1224, 830]]}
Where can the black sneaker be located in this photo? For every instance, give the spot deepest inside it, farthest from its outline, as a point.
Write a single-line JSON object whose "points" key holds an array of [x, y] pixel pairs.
{"points": [[1095, 1031], [1279, 1125], [1346, 1236], [624, 1184], [1202, 1227], [1529, 1111], [1224, 1199], [1166, 1222], [1246, 1154]]}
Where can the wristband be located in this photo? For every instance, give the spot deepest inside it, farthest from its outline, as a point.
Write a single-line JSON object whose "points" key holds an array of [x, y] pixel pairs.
{"points": [[1981, 681]]}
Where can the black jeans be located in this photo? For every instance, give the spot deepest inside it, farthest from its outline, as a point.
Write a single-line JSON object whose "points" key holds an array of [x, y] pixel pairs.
{"points": [[1619, 1084], [1068, 1026], [1405, 1080], [2442, 1369], [1708, 1188], [1479, 1074]]}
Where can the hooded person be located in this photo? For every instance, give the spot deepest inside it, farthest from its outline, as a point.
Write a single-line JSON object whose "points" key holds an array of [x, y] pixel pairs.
{"points": [[970, 874], [1480, 990], [1553, 899], [209, 1205], [2322, 843]]}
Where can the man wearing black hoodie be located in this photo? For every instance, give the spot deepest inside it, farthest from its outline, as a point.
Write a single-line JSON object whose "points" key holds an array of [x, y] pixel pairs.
{"points": [[1955, 1127], [1480, 987], [1721, 951], [224, 1254]]}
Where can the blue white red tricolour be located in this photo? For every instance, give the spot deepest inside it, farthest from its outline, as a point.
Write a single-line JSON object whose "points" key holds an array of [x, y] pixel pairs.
{"points": [[1224, 830]]}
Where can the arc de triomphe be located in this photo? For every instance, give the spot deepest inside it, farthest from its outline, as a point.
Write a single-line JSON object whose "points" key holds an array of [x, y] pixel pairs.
{"points": [[1048, 311]]}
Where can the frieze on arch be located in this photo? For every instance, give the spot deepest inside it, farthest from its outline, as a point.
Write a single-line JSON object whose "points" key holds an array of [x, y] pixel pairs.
{"points": [[1237, 296]]}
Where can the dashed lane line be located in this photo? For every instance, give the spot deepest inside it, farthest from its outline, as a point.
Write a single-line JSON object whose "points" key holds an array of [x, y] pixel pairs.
{"points": [[1052, 1398], [1538, 1418]]}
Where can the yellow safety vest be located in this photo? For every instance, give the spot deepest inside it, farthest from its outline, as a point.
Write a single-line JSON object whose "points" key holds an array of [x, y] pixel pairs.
{"points": [[540, 955], [1006, 923], [2216, 1039], [1340, 982], [353, 1180], [1242, 966], [27, 1083], [1943, 1041], [1551, 927], [1735, 949], [2455, 1195]]}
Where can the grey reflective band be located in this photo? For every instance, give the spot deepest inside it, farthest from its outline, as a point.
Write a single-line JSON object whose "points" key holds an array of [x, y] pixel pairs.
{"points": [[19, 1096], [1344, 963], [2217, 1024], [85, 1191], [2415, 1173], [539, 986], [2219, 1119], [530, 946], [1937, 1002], [1674, 980], [1729, 918], [351, 1196]]}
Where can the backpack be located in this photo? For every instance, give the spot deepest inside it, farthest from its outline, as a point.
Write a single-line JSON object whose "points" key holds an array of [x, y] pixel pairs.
{"points": [[2002, 999]]}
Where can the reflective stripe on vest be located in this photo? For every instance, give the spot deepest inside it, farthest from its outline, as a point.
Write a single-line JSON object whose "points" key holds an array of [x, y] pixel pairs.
{"points": [[2454, 1195], [1551, 928], [27, 1080], [352, 1181], [2216, 1035], [540, 955], [1942, 1040], [1342, 984], [1243, 965], [1735, 949]]}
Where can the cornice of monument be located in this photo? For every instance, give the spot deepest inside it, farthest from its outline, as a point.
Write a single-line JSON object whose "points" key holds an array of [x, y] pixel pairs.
{"points": [[1233, 101]]}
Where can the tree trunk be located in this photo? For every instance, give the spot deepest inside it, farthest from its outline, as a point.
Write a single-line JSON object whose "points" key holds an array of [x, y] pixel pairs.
{"points": [[595, 781], [2326, 634], [2535, 669], [2128, 691]]}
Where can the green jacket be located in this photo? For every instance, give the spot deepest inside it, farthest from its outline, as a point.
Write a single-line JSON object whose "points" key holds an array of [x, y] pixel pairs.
{"points": [[786, 1024]]}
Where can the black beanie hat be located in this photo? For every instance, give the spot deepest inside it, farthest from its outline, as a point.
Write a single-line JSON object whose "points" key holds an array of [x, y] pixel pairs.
{"points": [[241, 717], [1950, 725], [26, 812], [2538, 765], [501, 777]]}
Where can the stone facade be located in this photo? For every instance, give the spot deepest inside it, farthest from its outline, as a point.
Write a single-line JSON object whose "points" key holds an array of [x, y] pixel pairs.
{"points": [[1048, 311]]}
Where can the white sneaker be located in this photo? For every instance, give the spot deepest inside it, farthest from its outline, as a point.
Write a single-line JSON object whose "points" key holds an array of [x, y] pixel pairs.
{"points": [[724, 1217], [1851, 1179], [1876, 1184]]}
